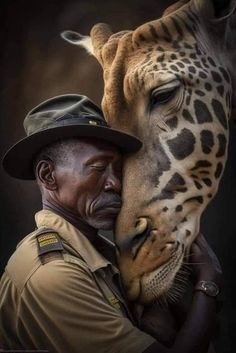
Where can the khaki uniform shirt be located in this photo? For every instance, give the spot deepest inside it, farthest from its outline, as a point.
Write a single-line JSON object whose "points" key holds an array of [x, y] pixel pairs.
{"points": [[65, 300]]}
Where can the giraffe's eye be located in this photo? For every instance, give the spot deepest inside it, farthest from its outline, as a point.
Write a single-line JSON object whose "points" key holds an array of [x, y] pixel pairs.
{"points": [[164, 94]]}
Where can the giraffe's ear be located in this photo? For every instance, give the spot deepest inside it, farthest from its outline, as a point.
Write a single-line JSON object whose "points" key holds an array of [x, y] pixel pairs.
{"points": [[231, 59], [223, 9], [219, 20], [219, 30], [78, 39], [215, 10]]}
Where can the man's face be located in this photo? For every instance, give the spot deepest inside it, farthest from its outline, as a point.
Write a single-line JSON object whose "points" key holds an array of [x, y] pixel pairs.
{"points": [[89, 182]]}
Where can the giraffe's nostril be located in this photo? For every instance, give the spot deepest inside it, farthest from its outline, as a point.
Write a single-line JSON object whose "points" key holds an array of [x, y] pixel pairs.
{"points": [[173, 245], [138, 241]]}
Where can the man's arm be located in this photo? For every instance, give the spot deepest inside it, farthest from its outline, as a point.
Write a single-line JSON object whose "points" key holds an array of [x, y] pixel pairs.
{"points": [[62, 309], [195, 334]]}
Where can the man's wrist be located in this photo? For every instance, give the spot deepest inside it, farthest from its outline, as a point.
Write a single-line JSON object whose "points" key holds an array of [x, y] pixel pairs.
{"points": [[209, 288]]}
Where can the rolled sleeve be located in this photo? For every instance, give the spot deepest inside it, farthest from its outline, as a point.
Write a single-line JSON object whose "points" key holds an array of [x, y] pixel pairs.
{"points": [[61, 309]]}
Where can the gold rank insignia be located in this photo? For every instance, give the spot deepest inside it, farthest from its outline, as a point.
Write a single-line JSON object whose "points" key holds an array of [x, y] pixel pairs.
{"points": [[48, 242], [114, 302]]}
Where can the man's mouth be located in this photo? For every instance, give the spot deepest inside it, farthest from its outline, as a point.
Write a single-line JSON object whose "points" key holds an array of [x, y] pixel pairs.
{"points": [[109, 204], [111, 208]]}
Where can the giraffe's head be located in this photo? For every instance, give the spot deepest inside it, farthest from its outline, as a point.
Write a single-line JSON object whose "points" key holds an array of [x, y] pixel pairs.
{"points": [[169, 82]]}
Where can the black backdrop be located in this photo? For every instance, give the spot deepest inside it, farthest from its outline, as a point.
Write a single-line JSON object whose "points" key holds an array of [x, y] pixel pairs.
{"points": [[36, 64]]}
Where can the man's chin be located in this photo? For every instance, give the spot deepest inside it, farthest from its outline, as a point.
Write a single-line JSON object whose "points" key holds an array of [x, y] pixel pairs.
{"points": [[104, 224]]}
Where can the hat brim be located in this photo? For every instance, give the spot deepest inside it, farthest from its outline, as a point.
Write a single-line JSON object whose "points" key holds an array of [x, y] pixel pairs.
{"points": [[18, 160]]}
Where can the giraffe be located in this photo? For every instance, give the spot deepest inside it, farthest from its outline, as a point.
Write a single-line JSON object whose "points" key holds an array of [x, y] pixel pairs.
{"points": [[170, 83]]}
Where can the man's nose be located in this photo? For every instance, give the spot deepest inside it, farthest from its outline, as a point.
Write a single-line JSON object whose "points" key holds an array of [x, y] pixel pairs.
{"points": [[113, 183]]}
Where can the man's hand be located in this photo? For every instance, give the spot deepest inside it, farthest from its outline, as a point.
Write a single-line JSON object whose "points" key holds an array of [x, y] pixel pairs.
{"points": [[206, 266]]}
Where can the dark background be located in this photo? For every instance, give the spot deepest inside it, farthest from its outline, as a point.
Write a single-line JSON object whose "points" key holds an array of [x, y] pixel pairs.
{"points": [[37, 64]]}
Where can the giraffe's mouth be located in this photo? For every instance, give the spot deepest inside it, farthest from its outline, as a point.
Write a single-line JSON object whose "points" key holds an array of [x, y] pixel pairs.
{"points": [[148, 262], [157, 284], [151, 273]]}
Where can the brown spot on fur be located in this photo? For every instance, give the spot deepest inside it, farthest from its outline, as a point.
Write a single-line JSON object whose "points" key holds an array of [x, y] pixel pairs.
{"points": [[222, 145], [207, 181], [207, 141], [225, 74], [182, 145], [198, 199], [187, 116], [179, 208], [211, 61], [202, 112], [186, 61], [174, 68], [219, 112], [172, 122], [202, 164], [200, 93], [202, 74], [198, 185], [208, 86], [216, 77], [180, 64]]}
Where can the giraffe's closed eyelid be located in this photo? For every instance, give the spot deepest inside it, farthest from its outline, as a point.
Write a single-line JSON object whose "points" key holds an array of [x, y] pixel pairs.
{"points": [[163, 96], [165, 87]]}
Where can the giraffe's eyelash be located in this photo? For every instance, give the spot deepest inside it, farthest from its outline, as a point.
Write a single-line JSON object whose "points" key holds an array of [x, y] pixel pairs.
{"points": [[163, 95]]}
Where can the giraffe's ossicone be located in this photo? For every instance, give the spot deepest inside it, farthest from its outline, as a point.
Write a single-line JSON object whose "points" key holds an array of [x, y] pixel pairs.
{"points": [[169, 82]]}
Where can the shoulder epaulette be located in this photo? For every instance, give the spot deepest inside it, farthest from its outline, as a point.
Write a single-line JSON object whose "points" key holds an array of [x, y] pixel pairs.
{"points": [[48, 241]]}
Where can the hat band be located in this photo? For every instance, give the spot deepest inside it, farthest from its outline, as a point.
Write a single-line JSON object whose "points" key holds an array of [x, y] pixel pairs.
{"points": [[73, 120]]}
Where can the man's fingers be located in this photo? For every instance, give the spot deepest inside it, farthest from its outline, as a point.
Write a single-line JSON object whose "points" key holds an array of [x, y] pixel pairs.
{"points": [[200, 250], [201, 242]]}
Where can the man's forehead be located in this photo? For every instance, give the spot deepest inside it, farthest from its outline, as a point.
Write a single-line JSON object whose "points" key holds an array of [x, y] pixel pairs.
{"points": [[91, 145]]}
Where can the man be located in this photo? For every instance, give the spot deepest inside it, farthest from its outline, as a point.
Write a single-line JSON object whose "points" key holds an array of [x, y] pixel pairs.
{"points": [[61, 290]]}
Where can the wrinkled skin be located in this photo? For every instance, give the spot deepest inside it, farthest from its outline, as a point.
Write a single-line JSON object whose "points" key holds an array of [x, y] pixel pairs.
{"points": [[85, 187], [167, 83]]}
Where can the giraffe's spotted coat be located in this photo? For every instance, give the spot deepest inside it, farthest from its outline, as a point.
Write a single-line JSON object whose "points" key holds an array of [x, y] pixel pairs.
{"points": [[207, 141], [222, 145], [202, 112], [167, 85], [182, 145]]}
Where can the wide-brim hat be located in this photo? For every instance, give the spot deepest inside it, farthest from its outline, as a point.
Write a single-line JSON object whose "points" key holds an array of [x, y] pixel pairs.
{"points": [[59, 118]]}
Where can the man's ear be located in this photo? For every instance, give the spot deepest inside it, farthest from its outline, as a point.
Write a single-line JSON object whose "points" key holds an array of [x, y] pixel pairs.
{"points": [[45, 174]]}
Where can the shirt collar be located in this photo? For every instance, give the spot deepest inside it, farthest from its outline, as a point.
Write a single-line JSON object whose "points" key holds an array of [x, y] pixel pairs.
{"points": [[74, 237]]}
